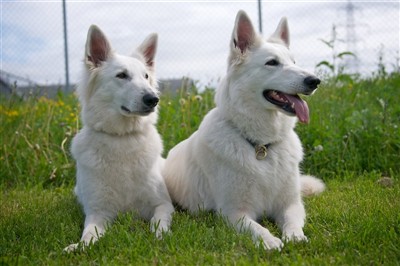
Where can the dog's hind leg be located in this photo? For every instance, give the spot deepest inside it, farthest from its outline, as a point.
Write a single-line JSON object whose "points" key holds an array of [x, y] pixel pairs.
{"points": [[260, 234], [95, 227]]}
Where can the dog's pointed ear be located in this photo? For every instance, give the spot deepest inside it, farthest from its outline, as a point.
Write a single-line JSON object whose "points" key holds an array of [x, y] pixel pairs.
{"points": [[281, 34], [98, 48], [148, 49], [243, 35]]}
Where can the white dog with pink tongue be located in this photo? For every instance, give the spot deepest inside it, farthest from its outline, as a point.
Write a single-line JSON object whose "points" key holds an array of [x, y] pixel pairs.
{"points": [[243, 161]]}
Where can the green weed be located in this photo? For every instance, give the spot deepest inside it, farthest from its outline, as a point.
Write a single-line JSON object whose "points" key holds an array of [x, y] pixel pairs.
{"points": [[354, 128]]}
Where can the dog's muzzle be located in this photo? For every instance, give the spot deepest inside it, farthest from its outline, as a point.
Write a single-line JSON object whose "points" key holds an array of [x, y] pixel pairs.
{"points": [[149, 102]]}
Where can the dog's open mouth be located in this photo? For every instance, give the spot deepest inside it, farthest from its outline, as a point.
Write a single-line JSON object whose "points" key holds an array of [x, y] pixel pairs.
{"points": [[291, 104]]}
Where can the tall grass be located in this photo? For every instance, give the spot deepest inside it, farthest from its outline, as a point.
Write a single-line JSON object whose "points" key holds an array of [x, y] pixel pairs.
{"points": [[36, 135], [181, 114], [354, 128], [353, 140]]}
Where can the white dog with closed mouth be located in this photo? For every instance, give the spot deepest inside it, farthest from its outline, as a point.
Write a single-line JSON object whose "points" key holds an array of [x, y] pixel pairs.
{"points": [[243, 161], [118, 150]]}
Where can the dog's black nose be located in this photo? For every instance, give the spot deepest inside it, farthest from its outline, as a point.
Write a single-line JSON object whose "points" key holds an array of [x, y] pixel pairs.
{"points": [[312, 82], [150, 100]]}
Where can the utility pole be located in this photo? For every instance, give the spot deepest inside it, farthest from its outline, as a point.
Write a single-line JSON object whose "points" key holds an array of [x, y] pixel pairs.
{"points": [[66, 88]]}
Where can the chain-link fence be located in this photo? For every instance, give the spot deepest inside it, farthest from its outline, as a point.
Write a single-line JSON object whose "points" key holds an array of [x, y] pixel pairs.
{"points": [[193, 35]]}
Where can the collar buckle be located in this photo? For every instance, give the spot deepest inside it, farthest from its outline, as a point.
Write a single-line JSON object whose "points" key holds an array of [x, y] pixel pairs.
{"points": [[261, 151]]}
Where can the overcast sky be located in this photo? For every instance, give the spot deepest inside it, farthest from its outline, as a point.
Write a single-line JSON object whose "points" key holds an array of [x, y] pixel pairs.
{"points": [[193, 35]]}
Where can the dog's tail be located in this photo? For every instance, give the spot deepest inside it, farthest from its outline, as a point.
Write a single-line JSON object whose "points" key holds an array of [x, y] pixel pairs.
{"points": [[311, 185]]}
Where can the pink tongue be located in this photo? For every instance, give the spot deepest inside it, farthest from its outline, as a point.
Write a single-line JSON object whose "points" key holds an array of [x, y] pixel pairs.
{"points": [[300, 107]]}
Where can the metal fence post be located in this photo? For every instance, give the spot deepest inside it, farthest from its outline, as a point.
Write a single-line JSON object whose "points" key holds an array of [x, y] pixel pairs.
{"points": [[259, 16], [66, 88]]}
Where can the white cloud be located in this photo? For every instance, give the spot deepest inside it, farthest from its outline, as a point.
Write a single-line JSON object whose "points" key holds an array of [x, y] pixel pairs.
{"points": [[193, 36]]}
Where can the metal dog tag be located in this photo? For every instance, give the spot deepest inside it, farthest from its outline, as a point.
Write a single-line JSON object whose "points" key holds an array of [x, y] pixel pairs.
{"points": [[261, 152]]}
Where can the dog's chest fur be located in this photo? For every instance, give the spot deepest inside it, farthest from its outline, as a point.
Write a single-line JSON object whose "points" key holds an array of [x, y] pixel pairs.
{"points": [[115, 169], [259, 185]]}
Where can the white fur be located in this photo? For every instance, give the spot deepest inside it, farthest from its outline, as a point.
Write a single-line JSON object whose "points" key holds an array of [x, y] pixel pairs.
{"points": [[216, 168], [118, 150]]}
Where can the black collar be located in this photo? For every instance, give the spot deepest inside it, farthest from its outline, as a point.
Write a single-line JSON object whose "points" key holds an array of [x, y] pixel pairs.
{"points": [[261, 150]]}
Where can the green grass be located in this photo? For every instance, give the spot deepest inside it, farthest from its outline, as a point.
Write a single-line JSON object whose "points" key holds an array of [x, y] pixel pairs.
{"points": [[353, 141], [354, 222]]}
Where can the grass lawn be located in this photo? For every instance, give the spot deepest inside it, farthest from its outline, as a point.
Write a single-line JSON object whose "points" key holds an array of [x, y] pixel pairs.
{"points": [[352, 142], [353, 222]]}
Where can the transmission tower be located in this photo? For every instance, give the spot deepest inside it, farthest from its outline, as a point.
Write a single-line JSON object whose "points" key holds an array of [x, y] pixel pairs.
{"points": [[352, 62], [351, 38]]}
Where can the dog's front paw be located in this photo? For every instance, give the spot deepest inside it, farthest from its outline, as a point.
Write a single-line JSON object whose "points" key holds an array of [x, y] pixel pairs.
{"points": [[296, 236], [73, 247], [271, 243], [160, 228], [160, 233]]}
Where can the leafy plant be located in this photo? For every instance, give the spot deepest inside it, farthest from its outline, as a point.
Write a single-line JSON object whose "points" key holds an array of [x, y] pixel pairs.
{"points": [[336, 65]]}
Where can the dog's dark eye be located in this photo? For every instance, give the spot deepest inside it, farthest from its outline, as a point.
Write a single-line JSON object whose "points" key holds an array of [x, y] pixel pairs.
{"points": [[122, 75], [146, 76], [272, 62]]}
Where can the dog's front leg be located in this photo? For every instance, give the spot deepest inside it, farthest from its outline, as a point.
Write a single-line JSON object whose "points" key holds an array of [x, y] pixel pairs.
{"points": [[95, 227], [260, 234], [161, 220], [291, 221]]}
